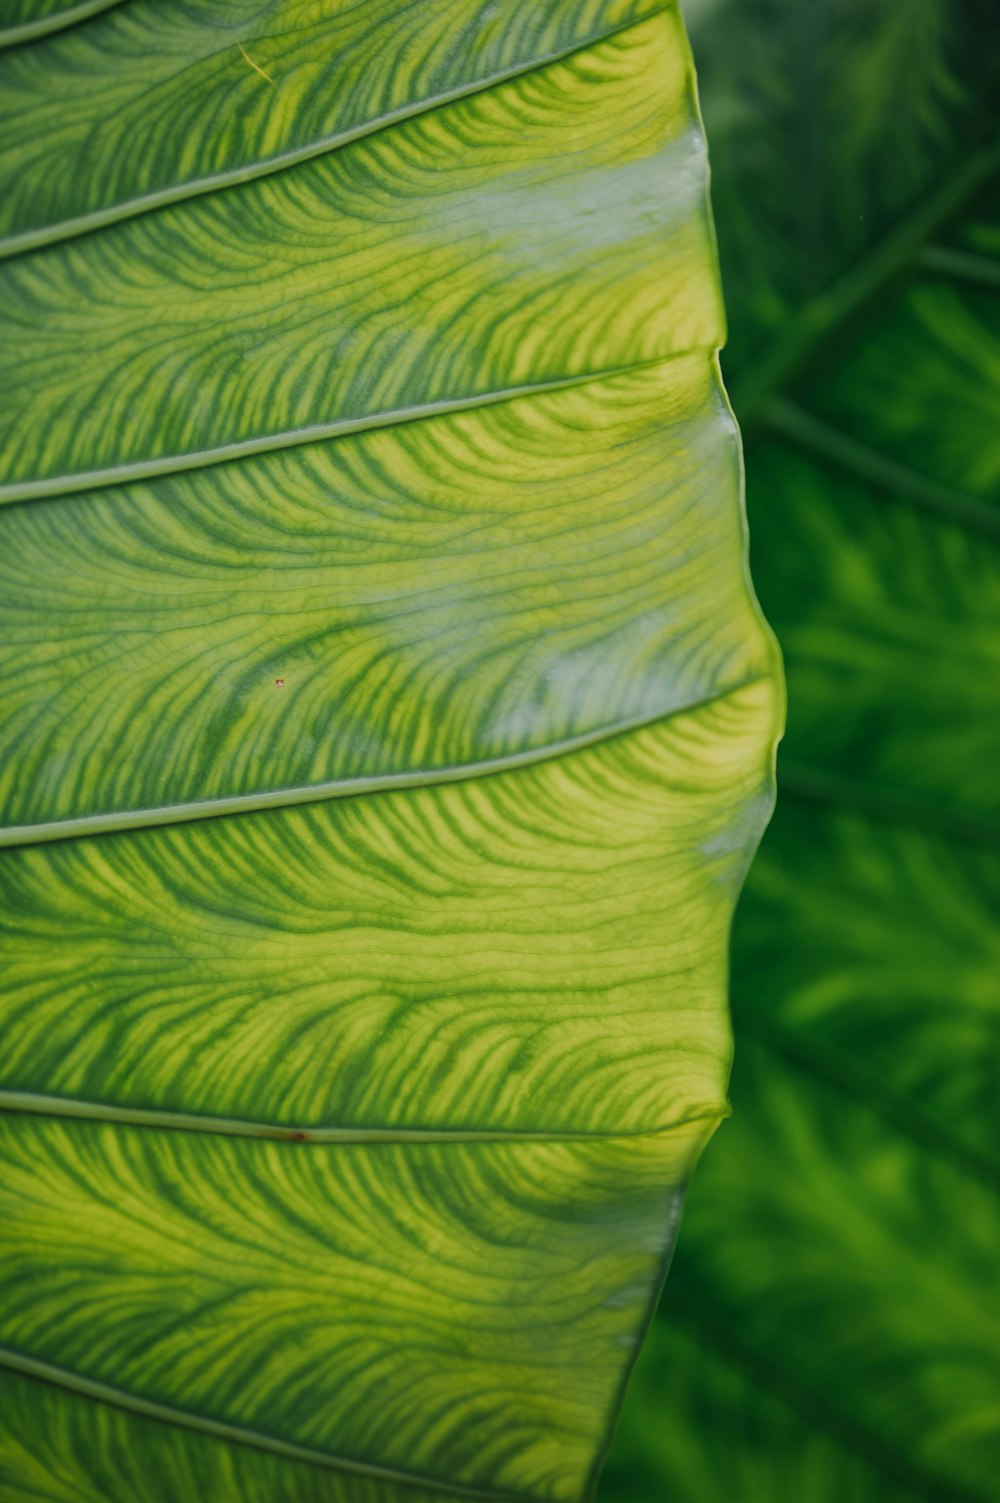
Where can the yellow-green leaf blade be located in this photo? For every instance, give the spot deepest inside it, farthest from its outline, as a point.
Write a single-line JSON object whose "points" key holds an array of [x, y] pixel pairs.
{"points": [[221, 94], [416, 602], [477, 250], [389, 725], [518, 1274], [489, 956]]}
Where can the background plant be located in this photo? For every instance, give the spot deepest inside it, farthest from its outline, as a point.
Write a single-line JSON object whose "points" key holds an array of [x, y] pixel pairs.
{"points": [[831, 1329]]}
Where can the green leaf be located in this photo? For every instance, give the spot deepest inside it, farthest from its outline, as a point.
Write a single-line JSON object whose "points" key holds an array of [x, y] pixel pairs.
{"points": [[386, 725], [26, 20], [832, 1327]]}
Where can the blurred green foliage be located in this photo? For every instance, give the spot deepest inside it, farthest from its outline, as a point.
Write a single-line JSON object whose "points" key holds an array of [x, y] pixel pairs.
{"points": [[831, 1329]]}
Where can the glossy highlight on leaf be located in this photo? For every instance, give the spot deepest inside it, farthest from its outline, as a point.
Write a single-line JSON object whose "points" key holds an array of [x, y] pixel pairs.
{"points": [[386, 724]]}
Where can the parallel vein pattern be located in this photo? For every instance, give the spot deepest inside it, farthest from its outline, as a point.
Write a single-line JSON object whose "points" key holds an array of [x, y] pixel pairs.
{"points": [[358, 283], [368, 481], [26, 20], [430, 596], [188, 80], [131, 960]]}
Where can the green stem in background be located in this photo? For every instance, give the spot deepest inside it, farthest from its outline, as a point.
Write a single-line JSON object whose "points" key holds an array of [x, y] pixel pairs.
{"points": [[957, 263], [753, 392], [842, 1071], [692, 1311], [890, 478], [817, 786], [30, 31]]}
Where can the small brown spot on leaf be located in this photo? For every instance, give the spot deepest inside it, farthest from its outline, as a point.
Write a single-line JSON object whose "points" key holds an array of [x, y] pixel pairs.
{"points": [[279, 683]]}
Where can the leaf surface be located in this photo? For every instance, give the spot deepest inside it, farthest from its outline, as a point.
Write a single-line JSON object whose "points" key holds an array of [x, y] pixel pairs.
{"points": [[832, 1328], [386, 726]]}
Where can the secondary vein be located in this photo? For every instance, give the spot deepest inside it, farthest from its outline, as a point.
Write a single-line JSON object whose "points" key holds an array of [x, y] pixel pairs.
{"points": [[55, 486], [30, 240], [48, 1372], [36, 1104], [280, 798], [32, 31]]}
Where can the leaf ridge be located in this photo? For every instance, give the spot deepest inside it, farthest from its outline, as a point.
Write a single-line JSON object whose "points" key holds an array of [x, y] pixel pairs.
{"points": [[30, 31], [48, 1372], [57, 486], [37, 1104], [281, 798], [68, 229]]}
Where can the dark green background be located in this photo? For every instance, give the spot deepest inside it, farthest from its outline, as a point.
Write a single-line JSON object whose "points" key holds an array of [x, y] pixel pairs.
{"points": [[831, 1328]]}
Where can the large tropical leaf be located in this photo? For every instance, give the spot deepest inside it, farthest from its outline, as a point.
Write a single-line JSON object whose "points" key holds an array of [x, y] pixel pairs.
{"points": [[833, 1329], [386, 725]]}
